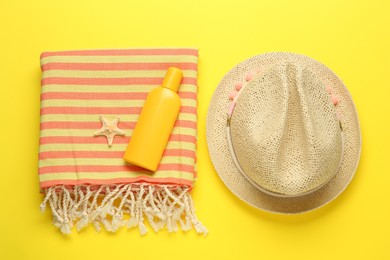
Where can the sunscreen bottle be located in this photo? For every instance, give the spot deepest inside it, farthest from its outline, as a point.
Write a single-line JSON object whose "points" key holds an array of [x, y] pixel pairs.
{"points": [[155, 123]]}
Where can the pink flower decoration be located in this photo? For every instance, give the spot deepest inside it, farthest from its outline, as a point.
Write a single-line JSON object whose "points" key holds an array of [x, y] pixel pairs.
{"points": [[335, 100], [233, 94], [329, 89], [239, 86], [249, 76]]}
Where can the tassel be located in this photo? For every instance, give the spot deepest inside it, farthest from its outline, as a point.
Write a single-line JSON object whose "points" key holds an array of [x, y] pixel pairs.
{"points": [[161, 205]]}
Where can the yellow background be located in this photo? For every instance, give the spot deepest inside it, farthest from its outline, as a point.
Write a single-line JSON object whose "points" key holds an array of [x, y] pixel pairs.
{"points": [[350, 37]]}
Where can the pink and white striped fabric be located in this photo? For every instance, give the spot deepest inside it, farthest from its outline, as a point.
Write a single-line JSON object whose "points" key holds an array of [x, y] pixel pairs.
{"points": [[87, 181]]}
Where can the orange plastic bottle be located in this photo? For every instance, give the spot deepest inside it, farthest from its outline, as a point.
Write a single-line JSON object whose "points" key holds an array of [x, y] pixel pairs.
{"points": [[155, 123]]}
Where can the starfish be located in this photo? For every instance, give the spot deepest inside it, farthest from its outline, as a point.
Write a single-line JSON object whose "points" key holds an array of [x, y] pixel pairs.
{"points": [[109, 129]]}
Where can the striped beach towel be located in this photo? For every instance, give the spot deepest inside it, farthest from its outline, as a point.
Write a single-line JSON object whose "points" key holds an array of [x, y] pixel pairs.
{"points": [[83, 178]]}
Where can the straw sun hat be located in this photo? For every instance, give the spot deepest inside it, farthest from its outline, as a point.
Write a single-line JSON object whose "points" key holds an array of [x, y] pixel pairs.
{"points": [[283, 133]]}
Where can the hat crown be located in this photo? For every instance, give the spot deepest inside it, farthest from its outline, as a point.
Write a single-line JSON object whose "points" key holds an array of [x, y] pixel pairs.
{"points": [[284, 131]]}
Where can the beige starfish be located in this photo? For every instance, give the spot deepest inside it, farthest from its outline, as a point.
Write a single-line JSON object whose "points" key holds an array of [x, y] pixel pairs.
{"points": [[109, 129]]}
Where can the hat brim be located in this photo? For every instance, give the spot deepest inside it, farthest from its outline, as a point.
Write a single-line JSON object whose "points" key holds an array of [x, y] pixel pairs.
{"points": [[237, 183]]}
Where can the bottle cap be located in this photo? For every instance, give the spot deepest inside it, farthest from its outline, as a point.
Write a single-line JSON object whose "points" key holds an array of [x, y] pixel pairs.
{"points": [[172, 79]]}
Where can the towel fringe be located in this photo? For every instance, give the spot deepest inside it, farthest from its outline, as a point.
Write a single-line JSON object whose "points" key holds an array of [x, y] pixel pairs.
{"points": [[114, 206]]}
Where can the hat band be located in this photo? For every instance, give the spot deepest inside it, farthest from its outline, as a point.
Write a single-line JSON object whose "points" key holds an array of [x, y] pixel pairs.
{"points": [[241, 170]]}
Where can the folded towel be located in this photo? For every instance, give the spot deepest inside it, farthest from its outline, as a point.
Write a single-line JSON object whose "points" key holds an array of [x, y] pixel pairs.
{"points": [[85, 180]]}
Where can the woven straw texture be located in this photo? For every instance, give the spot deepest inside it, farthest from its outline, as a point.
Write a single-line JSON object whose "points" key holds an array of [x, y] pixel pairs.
{"points": [[285, 134], [287, 119]]}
